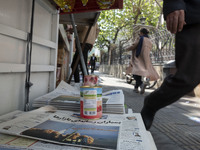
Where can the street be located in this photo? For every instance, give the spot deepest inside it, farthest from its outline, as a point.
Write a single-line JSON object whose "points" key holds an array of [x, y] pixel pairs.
{"points": [[175, 127]]}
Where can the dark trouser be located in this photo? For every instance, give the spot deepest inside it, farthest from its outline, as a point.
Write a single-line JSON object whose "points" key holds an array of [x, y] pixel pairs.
{"points": [[138, 80], [85, 55], [92, 67], [187, 76]]}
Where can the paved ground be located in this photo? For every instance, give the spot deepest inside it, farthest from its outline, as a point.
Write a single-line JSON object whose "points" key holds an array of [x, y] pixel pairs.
{"points": [[176, 127]]}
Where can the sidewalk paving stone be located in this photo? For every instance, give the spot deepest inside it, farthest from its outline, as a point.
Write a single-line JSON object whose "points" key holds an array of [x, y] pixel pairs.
{"points": [[175, 127]]}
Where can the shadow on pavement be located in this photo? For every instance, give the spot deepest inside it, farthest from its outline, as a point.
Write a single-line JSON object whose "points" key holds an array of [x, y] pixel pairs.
{"points": [[175, 127]]}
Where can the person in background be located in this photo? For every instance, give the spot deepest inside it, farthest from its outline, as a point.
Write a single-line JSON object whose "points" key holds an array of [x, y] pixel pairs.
{"points": [[141, 62], [93, 63], [183, 20], [82, 31]]}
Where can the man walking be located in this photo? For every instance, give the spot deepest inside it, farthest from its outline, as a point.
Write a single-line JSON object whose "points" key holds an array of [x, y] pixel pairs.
{"points": [[93, 63], [183, 19]]}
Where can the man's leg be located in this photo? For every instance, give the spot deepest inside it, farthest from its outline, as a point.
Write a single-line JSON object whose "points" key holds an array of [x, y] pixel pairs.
{"points": [[92, 68], [184, 81], [94, 65]]}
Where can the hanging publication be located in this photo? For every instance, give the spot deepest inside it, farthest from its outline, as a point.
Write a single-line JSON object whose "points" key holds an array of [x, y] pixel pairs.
{"points": [[112, 131]]}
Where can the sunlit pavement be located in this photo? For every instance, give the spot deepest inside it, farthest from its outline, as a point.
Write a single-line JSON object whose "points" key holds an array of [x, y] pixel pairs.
{"points": [[176, 127]]}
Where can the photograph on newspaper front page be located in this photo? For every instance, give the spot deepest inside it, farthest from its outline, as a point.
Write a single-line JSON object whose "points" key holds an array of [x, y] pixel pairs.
{"points": [[89, 135]]}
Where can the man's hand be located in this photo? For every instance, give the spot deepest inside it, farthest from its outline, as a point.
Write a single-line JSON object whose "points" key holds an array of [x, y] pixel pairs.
{"points": [[176, 21]]}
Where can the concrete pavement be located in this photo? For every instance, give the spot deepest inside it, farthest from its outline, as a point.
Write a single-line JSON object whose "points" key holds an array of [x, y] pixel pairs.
{"points": [[175, 127]]}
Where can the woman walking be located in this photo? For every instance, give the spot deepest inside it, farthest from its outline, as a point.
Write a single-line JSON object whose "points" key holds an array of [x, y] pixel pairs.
{"points": [[141, 62]]}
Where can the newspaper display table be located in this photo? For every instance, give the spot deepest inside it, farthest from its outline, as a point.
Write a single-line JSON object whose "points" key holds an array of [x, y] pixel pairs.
{"points": [[48, 128], [126, 132]]}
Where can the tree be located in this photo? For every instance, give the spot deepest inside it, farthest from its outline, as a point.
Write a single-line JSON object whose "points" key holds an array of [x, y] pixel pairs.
{"points": [[117, 25]]}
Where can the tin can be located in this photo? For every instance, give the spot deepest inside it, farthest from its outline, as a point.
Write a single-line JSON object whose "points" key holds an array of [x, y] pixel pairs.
{"points": [[90, 80], [91, 102]]}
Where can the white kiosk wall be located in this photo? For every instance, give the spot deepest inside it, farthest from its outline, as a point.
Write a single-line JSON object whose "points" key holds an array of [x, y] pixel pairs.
{"points": [[15, 19]]}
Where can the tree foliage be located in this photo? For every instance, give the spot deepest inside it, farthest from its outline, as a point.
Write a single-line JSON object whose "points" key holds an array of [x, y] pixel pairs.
{"points": [[118, 24]]}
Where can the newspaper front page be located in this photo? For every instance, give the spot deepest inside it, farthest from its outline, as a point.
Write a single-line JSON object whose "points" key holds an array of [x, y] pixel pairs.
{"points": [[16, 142], [112, 131]]}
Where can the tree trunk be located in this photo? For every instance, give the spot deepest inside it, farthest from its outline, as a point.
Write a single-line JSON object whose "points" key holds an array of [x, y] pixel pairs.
{"points": [[109, 55]]}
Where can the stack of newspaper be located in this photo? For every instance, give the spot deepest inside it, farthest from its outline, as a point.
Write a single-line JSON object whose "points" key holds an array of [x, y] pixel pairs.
{"points": [[112, 131], [67, 97]]}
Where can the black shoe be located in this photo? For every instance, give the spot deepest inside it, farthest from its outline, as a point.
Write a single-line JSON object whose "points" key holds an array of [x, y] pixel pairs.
{"points": [[142, 87], [147, 116]]}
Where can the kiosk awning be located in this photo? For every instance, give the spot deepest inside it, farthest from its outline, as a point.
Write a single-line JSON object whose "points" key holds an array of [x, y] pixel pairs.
{"points": [[79, 6]]}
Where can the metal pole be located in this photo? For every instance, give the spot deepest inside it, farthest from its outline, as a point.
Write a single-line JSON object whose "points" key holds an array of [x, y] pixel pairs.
{"points": [[28, 84], [78, 45]]}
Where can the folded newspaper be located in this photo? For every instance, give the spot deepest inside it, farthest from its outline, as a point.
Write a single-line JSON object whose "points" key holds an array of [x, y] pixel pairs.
{"points": [[112, 131], [11, 142], [67, 97]]}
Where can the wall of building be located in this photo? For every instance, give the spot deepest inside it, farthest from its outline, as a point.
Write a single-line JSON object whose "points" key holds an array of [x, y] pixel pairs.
{"points": [[15, 19]]}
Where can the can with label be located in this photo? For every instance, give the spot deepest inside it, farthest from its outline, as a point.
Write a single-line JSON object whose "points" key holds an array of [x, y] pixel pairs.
{"points": [[91, 102], [90, 80]]}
